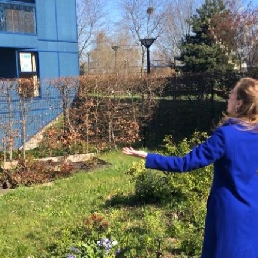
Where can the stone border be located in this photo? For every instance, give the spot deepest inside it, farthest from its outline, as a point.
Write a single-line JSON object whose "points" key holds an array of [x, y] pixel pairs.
{"points": [[69, 158]]}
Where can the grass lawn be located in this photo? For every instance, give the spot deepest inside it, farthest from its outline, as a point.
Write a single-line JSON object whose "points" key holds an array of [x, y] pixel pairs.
{"points": [[35, 219]]}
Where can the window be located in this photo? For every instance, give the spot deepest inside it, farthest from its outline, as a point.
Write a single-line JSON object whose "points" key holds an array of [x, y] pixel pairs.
{"points": [[8, 67], [17, 18], [28, 74]]}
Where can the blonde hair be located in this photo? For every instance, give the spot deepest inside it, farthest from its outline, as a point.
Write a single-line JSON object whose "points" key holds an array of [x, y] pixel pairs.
{"points": [[247, 114]]}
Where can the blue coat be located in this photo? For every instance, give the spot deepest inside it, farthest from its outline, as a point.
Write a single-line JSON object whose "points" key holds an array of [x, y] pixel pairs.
{"points": [[231, 226]]}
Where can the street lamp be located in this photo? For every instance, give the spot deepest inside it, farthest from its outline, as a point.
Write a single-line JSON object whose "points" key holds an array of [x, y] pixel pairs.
{"points": [[115, 48], [147, 43], [88, 55]]}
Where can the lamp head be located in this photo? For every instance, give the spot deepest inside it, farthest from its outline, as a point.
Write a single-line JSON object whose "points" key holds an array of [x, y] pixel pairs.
{"points": [[147, 42]]}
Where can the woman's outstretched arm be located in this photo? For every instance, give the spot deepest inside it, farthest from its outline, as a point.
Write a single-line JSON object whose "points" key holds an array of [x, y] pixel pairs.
{"points": [[132, 152]]}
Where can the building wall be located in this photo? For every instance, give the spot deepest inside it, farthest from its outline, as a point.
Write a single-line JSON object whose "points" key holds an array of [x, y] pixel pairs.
{"points": [[55, 43]]}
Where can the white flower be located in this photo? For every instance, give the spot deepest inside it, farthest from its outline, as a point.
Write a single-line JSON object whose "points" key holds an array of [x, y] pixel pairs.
{"points": [[114, 242]]}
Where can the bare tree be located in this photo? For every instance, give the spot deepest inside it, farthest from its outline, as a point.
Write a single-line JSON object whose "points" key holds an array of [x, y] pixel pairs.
{"points": [[7, 87], [144, 19], [113, 54], [90, 14], [246, 40], [101, 54], [175, 27], [126, 57]]}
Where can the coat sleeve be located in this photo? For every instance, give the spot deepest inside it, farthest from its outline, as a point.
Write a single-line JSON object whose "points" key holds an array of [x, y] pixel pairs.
{"points": [[202, 155]]}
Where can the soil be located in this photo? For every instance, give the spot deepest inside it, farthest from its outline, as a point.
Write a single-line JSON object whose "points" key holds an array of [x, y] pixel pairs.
{"points": [[75, 162]]}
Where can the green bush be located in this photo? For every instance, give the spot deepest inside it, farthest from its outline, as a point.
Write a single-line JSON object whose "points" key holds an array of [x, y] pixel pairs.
{"points": [[151, 186], [185, 193]]}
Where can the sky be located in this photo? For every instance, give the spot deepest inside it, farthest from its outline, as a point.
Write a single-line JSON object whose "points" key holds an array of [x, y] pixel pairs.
{"points": [[113, 9], [114, 13], [255, 2]]}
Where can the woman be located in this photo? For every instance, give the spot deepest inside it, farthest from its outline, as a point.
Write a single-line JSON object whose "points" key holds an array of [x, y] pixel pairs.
{"points": [[231, 227]]}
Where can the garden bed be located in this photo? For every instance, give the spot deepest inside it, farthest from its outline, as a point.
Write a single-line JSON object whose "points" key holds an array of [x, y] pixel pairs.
{"points": [[45, 170]]}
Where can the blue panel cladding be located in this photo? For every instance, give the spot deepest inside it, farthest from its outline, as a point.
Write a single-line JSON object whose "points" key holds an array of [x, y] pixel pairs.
{"points": [[59, 64], [49, 65], [68, 47], [10, 116], [69, 65], [9, 96], [57, 49], [10, 128], [35, 113], [46, 20], [40, 117], [18, 40], [36, 116], [66, 20]]}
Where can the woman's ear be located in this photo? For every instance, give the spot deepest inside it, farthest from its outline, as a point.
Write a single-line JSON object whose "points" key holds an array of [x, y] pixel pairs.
{"points": [[239, 103]]}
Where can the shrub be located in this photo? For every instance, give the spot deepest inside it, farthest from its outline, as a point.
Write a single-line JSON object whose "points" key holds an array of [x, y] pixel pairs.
{"points": [[151, 186], [186, 193]]}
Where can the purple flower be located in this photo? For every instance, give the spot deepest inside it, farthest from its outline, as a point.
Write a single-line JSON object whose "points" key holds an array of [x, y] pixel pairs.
{"points": [[71, 256], [74, 249], [118, 251]]}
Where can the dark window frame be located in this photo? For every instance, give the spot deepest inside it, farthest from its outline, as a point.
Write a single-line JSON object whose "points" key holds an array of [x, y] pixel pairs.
{"points": [[29, 81], [18, 18]]}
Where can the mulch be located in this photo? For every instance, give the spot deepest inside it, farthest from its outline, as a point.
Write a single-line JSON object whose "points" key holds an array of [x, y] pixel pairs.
{"points": [[86, 166]]}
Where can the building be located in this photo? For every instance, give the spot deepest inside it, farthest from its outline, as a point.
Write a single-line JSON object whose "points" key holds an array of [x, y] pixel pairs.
{"points": [[38, 42]]}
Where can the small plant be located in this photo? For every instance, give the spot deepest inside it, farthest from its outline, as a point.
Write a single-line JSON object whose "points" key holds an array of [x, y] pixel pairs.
{"points": [[96, 241], [150, 185], [104, 247]]}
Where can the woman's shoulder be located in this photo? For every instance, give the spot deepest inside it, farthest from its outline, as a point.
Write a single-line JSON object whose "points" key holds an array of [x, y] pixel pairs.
{"points": [[227, 130], [232, 126], [227, 126]]}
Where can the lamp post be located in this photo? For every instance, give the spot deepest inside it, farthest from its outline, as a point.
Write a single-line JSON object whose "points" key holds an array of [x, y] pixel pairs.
{"points": [[88, 68], [147, 42], [115, 48]]}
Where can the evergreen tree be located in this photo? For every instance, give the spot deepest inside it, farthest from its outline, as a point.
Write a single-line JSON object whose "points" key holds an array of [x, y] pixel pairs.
{"points": [[200, 51]]}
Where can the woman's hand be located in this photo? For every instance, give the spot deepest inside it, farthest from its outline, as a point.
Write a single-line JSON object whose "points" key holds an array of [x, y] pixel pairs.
{"points": [[132, 152]]}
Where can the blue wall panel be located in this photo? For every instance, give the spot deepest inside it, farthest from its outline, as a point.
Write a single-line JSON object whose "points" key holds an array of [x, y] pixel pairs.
{"points": [[66, 21], [51, 46], [68, 47], [46, 17], [5, 130], [49, 65], [39, 118], [18, 40], [68, 64]]}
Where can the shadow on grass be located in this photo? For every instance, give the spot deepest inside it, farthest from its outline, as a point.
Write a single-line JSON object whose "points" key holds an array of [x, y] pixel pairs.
{"points": [[131, 200]]}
